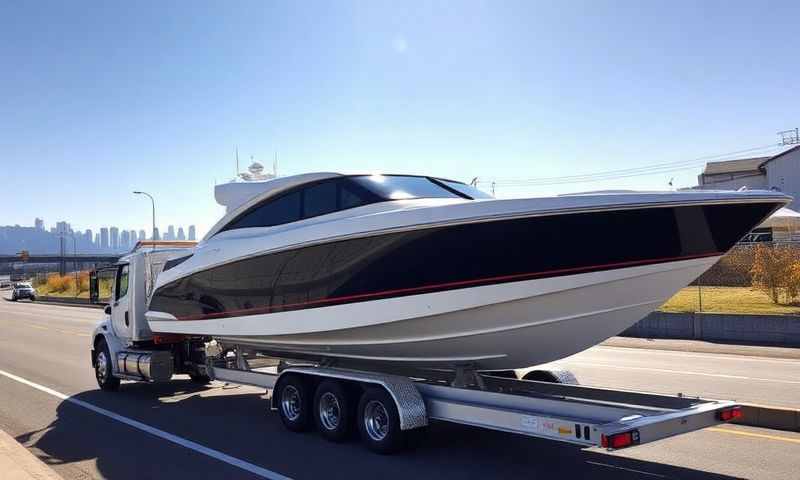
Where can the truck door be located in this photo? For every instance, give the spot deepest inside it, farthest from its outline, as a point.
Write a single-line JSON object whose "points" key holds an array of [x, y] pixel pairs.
{"points": [[120, 304]]}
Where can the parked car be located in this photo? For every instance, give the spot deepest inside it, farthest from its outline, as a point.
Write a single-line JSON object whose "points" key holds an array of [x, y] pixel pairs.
{"points": [[23, 290]]}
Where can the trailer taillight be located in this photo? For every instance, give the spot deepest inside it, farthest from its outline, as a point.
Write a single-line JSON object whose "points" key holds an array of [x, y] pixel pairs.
{"points": [[620, 440], [729, 414]]}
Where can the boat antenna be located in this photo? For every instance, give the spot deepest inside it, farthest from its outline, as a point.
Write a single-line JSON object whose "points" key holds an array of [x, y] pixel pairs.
{"points": [[237, 162], [474, 182], [275, 165]]}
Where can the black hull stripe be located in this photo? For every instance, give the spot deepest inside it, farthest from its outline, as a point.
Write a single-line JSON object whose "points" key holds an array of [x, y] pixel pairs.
{"points": [[402, 292], [456, 256]]}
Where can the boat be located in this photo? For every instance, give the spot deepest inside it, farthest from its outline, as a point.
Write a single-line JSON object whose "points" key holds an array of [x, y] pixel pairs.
{"points": [[429, 272]]}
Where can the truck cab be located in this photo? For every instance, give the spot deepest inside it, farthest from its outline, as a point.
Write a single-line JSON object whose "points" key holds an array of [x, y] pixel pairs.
{"points": [[123, 346]]}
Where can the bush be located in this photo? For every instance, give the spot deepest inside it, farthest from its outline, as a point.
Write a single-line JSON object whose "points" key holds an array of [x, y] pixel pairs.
{"points": [[776, 271], [55, 283]]}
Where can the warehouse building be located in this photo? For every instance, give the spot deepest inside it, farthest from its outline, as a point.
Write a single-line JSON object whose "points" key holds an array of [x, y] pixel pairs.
{"points": [[779, 172]]}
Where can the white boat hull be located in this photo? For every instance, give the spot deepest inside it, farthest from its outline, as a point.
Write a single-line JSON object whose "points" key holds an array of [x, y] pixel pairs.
{"points": [[502, 326]]}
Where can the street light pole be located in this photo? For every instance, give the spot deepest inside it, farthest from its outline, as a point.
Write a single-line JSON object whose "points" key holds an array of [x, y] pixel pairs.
{"points": [[153, 202]]}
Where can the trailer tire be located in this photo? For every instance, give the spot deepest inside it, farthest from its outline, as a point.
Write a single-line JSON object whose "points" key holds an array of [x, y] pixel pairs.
{"points": [[552, 376], [103, 369], [199, 378], [295, 402], [379, 422], [333, 411]]}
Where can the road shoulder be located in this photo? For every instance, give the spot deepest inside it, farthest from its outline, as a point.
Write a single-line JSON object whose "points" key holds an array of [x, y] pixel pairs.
{"points": [[703, 347], [17, 463]]}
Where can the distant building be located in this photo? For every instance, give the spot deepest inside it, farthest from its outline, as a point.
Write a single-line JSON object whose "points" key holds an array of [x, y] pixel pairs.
{"points": [[181, 235], [114, 232], [125, 239], [192, 233], [96, 240], [170, 235], [156, 236], [87, 235], [104, 238], [53, 230], [63, 227], [39, 223], [779, 172], [142, 235]]}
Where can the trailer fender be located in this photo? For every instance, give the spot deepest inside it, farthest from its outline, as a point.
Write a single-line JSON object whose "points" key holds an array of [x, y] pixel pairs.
{"points": [[410, 405]]}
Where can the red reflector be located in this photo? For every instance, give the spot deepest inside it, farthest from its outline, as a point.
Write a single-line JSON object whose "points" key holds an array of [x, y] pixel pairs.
{"points": [[729, 414], [620, 440]]}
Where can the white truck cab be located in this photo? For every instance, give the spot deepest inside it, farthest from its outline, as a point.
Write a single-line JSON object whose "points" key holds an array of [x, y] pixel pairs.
{"points": [[123, 346]]}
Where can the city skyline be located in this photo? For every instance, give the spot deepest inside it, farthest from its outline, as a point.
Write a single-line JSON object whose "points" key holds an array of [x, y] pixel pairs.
{"points": [[105, 239]]}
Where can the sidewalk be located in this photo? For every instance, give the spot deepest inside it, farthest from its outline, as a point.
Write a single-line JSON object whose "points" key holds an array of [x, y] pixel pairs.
{"points": [[703, 347], [17, 463]]}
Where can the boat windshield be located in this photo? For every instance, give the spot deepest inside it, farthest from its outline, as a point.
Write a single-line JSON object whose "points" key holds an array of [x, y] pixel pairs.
{"points": [[398, 187]]}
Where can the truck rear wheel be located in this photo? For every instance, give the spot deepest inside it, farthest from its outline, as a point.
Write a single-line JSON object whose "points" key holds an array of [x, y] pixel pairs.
{"points": [[103, 369], [294, 401], [379, 422], [333, 412]]}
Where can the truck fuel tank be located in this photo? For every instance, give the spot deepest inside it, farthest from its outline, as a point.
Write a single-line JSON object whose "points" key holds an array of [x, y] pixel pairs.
{"points": [[156, 366]]}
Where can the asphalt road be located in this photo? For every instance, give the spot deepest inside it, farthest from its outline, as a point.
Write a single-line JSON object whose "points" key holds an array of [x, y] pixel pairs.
{"points": [[49, 402], [747, 379]]}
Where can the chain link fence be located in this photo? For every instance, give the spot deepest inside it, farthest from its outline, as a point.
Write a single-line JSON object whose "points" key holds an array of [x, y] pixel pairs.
{"points": [[754, 278]]}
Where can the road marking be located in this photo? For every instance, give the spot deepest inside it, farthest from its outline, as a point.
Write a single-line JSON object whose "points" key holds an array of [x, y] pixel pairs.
{"points": [[681, 372], [608, 465], [690, 354], [38, 326], [254, 469], [757, 435]]}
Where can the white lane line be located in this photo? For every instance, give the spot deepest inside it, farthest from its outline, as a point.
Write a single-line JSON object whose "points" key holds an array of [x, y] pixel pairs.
{"points": [[687, 354], [680, 372], [254, 469]]}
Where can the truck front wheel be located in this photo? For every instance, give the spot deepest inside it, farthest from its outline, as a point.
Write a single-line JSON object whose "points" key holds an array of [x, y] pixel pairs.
{"points": [[102, 368]]}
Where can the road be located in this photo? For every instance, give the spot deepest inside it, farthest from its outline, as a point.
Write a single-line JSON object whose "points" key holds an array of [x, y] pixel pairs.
{"points": [[748, 379], [49, 402]]}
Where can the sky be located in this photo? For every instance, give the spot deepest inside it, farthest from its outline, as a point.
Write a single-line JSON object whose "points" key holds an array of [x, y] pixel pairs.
{"points": [[99, 100]]}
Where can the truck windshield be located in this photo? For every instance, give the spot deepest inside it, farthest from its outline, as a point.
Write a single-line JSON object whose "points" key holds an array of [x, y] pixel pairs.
{"points": [[397, 187]]}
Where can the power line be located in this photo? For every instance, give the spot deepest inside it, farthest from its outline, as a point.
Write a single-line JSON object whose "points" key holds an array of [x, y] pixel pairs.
{"points": [[622, 173]]}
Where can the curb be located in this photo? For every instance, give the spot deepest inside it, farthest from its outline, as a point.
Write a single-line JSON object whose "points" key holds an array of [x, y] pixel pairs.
{"points": [[68, 302], [17, 463], [775, 418]]}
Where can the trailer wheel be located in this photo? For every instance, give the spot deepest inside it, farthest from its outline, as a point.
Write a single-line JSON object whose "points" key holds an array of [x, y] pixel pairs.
{"points": [[199, 378], [379, 422], [294, 401], [552, 376], [103, 369], [333, 412]]}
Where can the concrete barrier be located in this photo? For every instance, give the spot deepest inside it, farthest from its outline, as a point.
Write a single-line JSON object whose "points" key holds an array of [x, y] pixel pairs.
{"points": [[777, 330], [770, 417], [82, 302]]}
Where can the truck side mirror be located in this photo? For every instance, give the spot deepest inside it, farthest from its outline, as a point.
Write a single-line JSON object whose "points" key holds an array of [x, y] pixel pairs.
{"points": [[107, 310]]}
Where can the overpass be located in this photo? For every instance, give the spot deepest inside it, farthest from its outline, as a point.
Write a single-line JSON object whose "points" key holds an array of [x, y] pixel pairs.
{"points": [[8, 261]]}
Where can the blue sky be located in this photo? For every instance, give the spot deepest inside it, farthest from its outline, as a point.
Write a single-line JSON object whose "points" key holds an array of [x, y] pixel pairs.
{"points": [[98, 101]]}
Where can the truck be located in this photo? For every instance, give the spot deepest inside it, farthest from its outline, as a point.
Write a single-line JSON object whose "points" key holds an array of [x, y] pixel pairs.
{"points": [[386, 405]]}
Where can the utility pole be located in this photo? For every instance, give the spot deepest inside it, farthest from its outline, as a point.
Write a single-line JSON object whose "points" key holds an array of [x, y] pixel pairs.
{"points": [[789, 137], [153, 202]]}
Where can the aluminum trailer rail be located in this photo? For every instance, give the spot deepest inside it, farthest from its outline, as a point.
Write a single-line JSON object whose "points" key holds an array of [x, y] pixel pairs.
{"points": [[587, 416]]}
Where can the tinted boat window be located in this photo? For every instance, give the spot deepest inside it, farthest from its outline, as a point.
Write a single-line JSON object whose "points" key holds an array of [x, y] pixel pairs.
{"points": [[467, 190], [281, 210], [392, 187], [319, 199]]}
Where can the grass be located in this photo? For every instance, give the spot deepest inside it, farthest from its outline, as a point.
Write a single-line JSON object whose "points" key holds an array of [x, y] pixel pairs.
{"points": [[727, 300]]}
